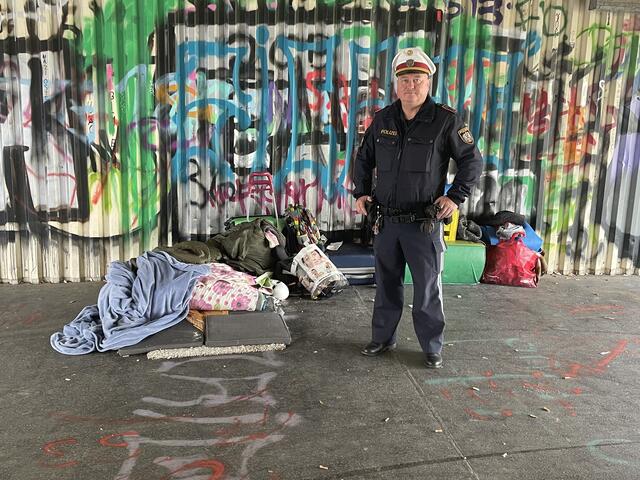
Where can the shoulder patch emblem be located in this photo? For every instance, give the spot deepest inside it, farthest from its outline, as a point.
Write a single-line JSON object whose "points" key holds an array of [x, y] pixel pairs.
{"points": [[465, 135], [448, 108]]}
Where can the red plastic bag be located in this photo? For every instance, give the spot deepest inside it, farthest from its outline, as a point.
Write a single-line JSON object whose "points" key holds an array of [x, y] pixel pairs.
{"points": [[511, 262]]}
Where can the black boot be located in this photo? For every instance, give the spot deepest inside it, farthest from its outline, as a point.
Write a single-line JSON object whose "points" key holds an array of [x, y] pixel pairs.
{"points": [[374, 349], [433, 360]]}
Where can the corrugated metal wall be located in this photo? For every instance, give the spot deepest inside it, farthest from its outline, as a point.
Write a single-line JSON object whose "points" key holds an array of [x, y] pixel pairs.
{"points": [[129, 123]]}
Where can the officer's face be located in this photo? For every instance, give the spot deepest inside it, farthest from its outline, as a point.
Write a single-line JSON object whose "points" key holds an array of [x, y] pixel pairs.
{"points": [[413, 88]]}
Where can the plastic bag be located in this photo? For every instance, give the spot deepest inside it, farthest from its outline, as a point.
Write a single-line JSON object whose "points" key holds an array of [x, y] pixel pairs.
{"points": [[317, 274], [511, 262]]}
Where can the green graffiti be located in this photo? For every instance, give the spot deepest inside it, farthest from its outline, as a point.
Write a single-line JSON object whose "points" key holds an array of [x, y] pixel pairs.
{"points": [[117, 37]]}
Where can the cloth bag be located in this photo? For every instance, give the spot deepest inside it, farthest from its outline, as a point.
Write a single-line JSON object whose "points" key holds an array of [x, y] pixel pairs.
{"points": [[511, 262]]}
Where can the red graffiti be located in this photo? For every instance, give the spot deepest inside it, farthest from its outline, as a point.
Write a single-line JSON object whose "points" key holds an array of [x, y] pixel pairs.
{"points": [[313, 78], [216, 467], [576, 369], [106, 440], [344, 100], [446, 394], [538, 114], [53, 449], [473, 414], [568, 407]]}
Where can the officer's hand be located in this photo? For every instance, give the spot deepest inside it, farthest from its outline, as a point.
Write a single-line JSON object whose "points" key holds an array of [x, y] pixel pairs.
{"points": [[361, 202], [447, 207]]}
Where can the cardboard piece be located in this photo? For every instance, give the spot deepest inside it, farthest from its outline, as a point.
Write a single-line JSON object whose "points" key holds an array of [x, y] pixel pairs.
{"points": [[179, 336], [246, 328]]}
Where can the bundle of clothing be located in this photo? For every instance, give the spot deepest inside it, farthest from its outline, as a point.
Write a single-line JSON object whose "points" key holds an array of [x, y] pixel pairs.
{"points": [[251, 247]]}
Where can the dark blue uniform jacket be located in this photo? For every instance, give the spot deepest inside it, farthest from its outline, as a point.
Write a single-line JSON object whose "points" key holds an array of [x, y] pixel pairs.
{"points": [[412, 166]]}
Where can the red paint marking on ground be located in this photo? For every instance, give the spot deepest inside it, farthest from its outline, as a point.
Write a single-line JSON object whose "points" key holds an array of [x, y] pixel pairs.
{"points": [[106, 440], [596, 308], [243, 398], [216, 467], [258, 435], [537, 374], [265, 415], [446, 393], [488, 373], [576, 391], [507, 413], [568, 406], [473, 394], [615, 353], [136, 453], [575, 369], [52, 449], [493, 385], [228, 432], [473, 414]]}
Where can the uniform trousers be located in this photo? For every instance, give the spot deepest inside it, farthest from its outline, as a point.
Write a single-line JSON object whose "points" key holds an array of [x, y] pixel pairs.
{"points": [[396, 245]]}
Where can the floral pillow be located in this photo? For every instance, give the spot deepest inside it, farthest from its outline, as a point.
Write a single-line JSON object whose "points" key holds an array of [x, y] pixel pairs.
{"points": [[225, 289]]}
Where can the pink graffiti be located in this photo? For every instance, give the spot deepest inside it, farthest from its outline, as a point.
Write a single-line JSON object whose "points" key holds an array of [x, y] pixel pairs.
{"points": [[296, 192]]}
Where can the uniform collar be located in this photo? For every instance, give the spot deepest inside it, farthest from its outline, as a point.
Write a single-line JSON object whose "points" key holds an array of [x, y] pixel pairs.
{"points": [[426, 113]]}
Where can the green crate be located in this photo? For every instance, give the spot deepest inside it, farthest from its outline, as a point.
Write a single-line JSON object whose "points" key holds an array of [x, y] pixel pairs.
{"points": [[463, 264]]}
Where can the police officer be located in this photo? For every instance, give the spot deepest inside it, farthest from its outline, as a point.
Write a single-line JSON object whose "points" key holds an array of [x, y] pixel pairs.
{"points": [[409, 144]]}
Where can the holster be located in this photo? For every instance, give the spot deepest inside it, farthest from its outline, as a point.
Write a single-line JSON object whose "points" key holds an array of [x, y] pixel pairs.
{"points": [[372, 211], [430, 220]]}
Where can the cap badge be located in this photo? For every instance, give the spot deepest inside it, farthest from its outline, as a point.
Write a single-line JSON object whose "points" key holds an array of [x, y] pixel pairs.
{"points": [[410, 63]]}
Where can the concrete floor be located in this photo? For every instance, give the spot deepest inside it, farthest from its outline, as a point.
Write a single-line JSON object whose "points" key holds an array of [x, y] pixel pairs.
{"points": [[537, 384]]}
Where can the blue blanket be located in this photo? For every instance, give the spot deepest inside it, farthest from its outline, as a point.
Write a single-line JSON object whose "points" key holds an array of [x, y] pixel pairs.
{"points": [[133, 304]]}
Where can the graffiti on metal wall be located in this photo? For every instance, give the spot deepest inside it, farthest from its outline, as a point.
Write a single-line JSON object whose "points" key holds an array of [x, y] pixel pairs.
{"points": [[153, 135]]}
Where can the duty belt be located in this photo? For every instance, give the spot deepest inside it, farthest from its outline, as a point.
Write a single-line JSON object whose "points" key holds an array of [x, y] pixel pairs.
{"points": [[427, 216], [400, 216]]}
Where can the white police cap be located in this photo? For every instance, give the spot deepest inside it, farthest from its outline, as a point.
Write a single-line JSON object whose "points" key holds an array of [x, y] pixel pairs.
{"points": [[412, 60]]}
